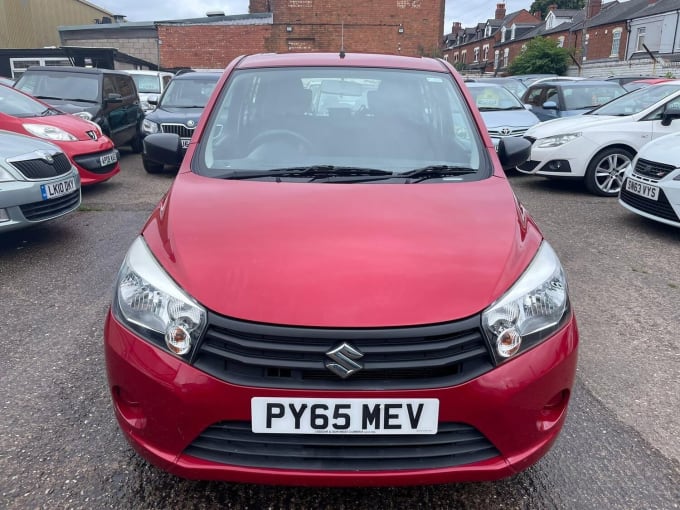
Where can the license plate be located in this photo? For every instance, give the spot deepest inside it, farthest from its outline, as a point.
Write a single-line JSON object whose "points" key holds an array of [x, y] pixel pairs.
{"points": [[185, 142], [344, 416], [57, 189], [108, 159], [642, 189]]}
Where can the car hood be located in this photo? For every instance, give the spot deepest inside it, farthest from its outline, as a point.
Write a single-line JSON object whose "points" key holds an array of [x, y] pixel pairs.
{"points": [[342, 255], [12, 145], [69, 107], [74, 125], [663, 150], [509, 118], [570, 124]]}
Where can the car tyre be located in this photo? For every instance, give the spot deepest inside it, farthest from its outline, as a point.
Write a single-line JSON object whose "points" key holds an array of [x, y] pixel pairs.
{"points": [[604, 176], [152, 167]]}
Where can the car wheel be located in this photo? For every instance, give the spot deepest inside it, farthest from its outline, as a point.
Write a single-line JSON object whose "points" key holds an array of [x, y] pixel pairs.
{"points": [[151, 167], [604, 176]]}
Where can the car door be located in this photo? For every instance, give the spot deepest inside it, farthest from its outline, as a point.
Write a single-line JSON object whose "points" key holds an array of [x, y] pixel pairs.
{"points": [[655, 118], [130, 107], [114, 111]]}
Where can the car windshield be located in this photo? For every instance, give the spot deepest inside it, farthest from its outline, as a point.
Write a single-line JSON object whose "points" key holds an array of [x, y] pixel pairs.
{"points": [[189, 93], [637, 101], [60, 85], [20, 105], [494, 98], [147, 83], [579, 97], [341, 118]]}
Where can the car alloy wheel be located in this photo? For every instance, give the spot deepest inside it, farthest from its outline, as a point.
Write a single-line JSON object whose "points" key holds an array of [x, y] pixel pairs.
{"points": [[605, 171]]}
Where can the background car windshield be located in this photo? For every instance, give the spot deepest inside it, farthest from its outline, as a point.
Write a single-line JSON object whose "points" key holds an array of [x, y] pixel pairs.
{"points": [[19, 105], [60, 85], [580, 97], [147, 84], [394, 120], [636, 101], [495, 98], [188, 93]]}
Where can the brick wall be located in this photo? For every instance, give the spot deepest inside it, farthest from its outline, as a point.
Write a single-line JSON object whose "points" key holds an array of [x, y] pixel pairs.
{"points": [[600, 41]]}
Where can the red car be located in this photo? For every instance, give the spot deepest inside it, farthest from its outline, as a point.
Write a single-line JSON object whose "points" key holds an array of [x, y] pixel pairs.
{"points": [[340, 287], [92, 153]]}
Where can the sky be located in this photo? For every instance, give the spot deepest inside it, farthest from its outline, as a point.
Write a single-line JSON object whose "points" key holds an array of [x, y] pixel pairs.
{"points": [[468, 12]]}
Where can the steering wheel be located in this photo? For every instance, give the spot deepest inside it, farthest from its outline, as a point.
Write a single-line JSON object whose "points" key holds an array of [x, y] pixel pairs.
{"points": [[280, 135]]}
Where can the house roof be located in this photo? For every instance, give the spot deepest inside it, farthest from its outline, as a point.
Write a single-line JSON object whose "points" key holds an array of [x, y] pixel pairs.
{"points": [[658, 7], [614, 12], [565, 13]]}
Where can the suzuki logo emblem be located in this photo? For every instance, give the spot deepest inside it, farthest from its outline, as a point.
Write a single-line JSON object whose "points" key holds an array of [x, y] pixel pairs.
{"points": [[342, 361]]}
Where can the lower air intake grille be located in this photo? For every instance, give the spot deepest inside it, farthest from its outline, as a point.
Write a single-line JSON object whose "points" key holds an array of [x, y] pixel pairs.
{"points": [[51, 208], [234, 443], [661, 207]]}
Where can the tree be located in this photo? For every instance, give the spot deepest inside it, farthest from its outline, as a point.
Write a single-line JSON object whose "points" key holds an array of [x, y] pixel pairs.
{"points": [[543, 5], [542, 56]]}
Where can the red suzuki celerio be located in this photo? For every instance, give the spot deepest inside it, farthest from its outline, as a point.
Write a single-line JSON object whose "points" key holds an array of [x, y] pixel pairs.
{"points": [[340, 287], [92, 153]]}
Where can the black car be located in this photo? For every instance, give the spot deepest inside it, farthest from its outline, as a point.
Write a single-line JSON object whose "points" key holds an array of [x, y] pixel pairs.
{"points": [[104, 96], [178, 110]]}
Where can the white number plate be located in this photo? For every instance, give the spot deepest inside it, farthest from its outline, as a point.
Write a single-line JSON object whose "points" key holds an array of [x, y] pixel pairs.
{"points": [[642, 189], [108, 159], [185, 142], [57, 189], [344, 416]]}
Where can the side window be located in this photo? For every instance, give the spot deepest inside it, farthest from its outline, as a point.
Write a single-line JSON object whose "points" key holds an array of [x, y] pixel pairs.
{"points": [[108, 86], [166, 80], [552, 95], [534, 97], [125, 86]]}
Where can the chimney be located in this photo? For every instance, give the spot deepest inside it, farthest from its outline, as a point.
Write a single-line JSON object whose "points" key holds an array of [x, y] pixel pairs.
{"points": [[594, 7], [456, 27], [537, 15], [500, 11]]}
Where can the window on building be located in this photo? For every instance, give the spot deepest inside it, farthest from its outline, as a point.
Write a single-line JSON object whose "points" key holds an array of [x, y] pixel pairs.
{"points": [[463, 56], [456, 57], [616, 41], [506, 57], [476, 51], [640, 39], [19, 65], [486, 52], [512, 32], [503, 34], [487, 31], [560, 41], [496, 59]]}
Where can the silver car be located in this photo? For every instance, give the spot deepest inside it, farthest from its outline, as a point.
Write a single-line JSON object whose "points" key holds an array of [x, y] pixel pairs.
{"points": [[37, 182]]}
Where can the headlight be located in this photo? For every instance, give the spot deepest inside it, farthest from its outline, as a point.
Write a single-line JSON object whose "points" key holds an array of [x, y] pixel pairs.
{"points": [[556, 141], [149, 127], [49, 132], [84, 115], [5, 176], [531, 310], [148, 301]]}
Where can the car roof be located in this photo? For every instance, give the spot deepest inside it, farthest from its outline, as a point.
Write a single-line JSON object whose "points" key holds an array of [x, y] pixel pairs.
{"points": [[147, 72], [195, 75], [336, 60], [484, 84], [572, 83], [75, 69]]}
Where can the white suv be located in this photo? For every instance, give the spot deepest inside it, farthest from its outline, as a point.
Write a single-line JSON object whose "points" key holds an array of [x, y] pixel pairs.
{"points": [[599, 145]]}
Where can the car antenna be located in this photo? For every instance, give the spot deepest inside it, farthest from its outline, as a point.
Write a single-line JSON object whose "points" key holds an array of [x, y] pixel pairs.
{"points": [[342, 40]]}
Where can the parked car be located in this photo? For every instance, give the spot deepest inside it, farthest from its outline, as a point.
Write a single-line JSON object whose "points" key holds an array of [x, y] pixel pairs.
{"points": [[528, 79], [502, 111], [555, 99], [623, 79], [517, 87], [150, 84], [651, 184], [599, 145], [178, 110], [638, 84], [6, 81], [37, 182], [82, 141], [339, 297], [106, 97]]}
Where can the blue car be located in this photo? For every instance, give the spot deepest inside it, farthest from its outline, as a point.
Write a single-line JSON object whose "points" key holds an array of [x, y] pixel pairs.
{"points": [[554, 99]]}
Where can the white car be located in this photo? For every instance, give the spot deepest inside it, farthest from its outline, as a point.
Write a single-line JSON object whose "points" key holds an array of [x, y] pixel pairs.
{"points": [[150, 84], [651, 185], [600, 144]]}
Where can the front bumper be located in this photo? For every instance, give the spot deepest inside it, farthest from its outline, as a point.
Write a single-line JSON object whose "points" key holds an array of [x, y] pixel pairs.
{"points": [[568, 160], [163, 405], [665, 209], [86, 156]]}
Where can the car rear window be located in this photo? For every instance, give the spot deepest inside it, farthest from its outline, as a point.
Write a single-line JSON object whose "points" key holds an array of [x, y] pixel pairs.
{"points": [[388, 119]]}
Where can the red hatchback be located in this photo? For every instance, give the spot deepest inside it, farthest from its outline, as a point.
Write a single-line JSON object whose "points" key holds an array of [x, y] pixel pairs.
{"points": [[340, 287], [91, 152]]}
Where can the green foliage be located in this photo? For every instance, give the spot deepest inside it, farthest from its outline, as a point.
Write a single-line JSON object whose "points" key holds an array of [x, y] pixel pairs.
{"points": [[542, 5], [541, 55]]}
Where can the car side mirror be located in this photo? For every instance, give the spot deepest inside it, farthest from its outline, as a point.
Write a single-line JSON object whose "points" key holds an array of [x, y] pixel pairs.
{"points": [[550, 105], [669, 115], [164, 148], [513, 151], [114, 98], [152, 100]]}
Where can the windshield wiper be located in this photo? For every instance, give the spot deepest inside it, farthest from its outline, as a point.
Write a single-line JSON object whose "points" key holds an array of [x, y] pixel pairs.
{"points": [[435, 171], [51, 97], [185, 106], [81, 100], [315, 171], [50, 111]]}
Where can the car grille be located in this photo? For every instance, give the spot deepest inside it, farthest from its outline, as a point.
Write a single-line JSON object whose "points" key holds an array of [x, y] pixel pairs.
{"points": [[528, 166], [41, 169], [51, 208], [509, 132], [234, 443], [652, 170], [661, 207], [178, 129], [288, 357]]}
